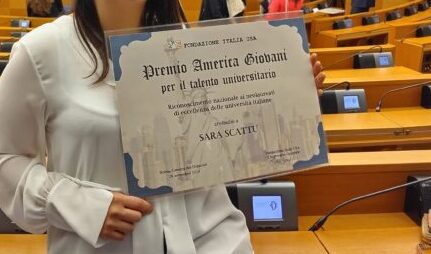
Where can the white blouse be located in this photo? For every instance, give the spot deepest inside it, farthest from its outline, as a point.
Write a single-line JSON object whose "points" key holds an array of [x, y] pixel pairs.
{"points": [[47, 105]]}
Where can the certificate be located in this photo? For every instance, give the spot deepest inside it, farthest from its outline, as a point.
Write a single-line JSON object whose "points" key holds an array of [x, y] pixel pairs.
{"points": [[216, 104]]}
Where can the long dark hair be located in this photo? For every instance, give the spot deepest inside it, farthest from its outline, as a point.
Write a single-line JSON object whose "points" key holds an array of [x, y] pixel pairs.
{"points": [[87, 23]]}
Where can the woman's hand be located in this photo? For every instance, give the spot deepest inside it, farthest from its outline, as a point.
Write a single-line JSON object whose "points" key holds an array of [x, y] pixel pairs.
{"points": [[123, 213], [319, 76]]}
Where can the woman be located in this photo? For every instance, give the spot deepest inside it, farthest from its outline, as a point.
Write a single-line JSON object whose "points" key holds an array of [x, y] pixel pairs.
{"points": [[45, 8], [285, 5], [57, 97]]}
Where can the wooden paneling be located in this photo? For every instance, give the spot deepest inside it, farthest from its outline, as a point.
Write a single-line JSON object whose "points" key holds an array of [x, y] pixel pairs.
{"points": [[377, 81], [353, 174], [381, 4], [13, 7], [342, 58], [192, 9]]}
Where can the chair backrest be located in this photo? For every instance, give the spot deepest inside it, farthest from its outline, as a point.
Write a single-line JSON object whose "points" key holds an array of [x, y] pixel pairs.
{"points": [[3, 64], [7, 226], [6, 46]]}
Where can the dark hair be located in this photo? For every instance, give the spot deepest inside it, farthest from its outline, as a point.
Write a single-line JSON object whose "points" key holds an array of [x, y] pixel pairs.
{"points": [[87, 23]]}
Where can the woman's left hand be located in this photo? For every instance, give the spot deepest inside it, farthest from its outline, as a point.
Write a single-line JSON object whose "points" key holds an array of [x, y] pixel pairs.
{"points": [[319, 76]]}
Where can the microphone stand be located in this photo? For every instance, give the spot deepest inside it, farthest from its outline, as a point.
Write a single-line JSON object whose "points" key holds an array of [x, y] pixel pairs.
{"points": [[347, 83], [319, 223], [353, 55], [380, 103]]}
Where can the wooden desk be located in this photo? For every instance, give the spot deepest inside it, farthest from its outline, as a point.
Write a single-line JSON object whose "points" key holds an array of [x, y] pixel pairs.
{"points": [[351, 236], [6, 31], [415, 18], [8, 38], [354, 36], [380, 80], [342, 57], [348, 237], [352, 174], [23, 244], [411, 53], [368, 221], [286, 243], [4, 56], [405, 30], [390, 241], [346, 131], [398, 127], [416, 123], [5, 20], [417, 118]]}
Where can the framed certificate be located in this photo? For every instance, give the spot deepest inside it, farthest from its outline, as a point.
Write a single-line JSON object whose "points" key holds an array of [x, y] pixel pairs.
{"points": [[216, 102]]}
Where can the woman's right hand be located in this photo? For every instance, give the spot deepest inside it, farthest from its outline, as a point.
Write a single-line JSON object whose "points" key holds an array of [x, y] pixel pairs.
{"points": [[123, 213]]}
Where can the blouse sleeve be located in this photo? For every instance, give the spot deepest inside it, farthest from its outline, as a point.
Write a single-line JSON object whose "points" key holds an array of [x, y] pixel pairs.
{"points": [[30, 195]]}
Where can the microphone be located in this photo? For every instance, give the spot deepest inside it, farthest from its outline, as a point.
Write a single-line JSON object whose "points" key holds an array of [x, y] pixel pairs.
{"points": [[405, 36], [353, 55], [320, 222], [380, 103], [347, 87]]}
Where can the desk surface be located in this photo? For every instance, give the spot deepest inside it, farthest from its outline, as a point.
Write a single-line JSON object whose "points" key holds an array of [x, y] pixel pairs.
{"points": [[350, 234], [23, 244], [357, 31], [420, 41], [404, 126], [4, 55], [369, 122], [390, 233], [377, 81], [390, 241], [368, 221], [359, 130], [410, 117], [302, 242], [380, 75]]}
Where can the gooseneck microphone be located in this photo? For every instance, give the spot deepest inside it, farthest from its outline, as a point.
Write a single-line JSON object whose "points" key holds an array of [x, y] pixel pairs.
{"points": [[380, 103], [353, 55], [346, 83], [319, 223]]}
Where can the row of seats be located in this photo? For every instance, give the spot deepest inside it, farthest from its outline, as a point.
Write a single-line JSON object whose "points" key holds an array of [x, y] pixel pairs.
{"points": [[12, 28], [347, 25]]}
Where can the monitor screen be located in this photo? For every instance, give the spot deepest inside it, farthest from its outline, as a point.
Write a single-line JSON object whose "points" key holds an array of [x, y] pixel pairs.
{"points": [[384, 60], [24, 23], [267, 208], [351, 102]]}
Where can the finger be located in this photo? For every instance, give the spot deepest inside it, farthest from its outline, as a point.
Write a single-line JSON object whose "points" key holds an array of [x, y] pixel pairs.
{"points": [[129, 215], [313, 59], [317, 68], [115, 235], [123, 227], [320, 79], [138, 204]]}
